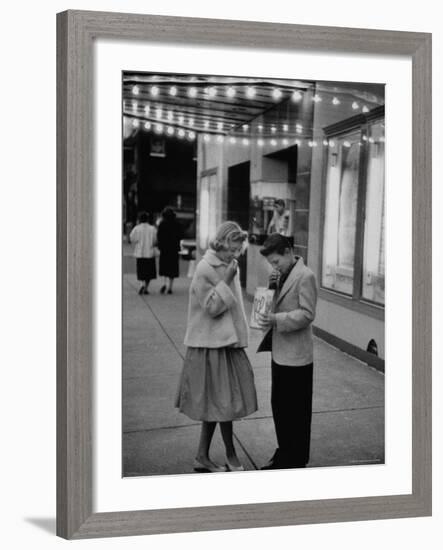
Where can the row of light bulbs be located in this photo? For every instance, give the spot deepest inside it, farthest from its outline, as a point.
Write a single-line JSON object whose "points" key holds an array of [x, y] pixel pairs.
{"points": [[160, 128], [249, 91], [212, 91], [179, 118]]}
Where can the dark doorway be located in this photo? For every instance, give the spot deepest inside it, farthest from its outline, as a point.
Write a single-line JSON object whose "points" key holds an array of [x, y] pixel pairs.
{"points": [[239, 190]]}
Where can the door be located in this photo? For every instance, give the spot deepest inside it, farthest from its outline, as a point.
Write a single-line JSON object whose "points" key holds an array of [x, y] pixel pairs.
{"points": [[239, 190]]}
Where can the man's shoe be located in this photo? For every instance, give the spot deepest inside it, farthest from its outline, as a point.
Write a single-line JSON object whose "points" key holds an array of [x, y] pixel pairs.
{"points": [[271, 464]]}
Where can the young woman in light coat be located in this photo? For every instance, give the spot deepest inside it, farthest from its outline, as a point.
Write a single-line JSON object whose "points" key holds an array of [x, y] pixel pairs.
{"points": [[217, 381]]}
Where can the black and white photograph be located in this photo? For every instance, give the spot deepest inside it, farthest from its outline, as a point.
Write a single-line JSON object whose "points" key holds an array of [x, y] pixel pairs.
{"points": [[253, 274]]}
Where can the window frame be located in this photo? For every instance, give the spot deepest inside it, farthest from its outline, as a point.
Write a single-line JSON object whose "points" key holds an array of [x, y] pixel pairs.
{"points": [[355, 300]]}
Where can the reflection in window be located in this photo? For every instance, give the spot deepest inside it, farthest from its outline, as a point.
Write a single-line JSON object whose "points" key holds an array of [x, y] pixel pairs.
{"points": [[373, 282], [341, 213], [207, 211]]}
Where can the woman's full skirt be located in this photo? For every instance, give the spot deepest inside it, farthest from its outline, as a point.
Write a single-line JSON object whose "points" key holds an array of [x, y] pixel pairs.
{"points": [[216, 385]]}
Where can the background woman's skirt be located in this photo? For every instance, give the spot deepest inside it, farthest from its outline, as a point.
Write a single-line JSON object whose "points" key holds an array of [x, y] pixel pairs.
{"points": [[169, 264], [216, 385], [146, 269]]}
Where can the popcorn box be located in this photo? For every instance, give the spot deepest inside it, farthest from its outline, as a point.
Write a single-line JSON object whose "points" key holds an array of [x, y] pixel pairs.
{"points": [[263, 300]]}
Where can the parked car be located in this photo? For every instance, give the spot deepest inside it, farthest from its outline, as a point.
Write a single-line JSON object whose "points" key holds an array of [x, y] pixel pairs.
{"points": [[188, 248]]}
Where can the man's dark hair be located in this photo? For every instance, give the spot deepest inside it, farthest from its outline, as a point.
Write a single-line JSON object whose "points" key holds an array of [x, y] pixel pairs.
{"points": [[275, 243], [143, 217]]}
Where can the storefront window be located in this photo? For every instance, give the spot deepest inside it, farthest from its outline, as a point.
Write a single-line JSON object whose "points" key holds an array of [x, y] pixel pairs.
{"points": [[353, 261], [341, 212], [373, 281]]}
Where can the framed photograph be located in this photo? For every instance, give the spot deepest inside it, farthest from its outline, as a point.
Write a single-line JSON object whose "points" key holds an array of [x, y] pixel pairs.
{"points": [[206, 169]]}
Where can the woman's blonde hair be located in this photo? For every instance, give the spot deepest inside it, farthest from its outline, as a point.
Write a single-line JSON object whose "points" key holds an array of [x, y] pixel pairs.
{"points": [[227, 233]]}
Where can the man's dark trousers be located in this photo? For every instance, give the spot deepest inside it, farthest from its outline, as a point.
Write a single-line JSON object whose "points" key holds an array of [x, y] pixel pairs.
{"points": [[291, 401]]}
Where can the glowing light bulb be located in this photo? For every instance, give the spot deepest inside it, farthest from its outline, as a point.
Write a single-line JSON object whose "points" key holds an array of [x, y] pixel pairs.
{"points": [[173, 90], [245, 127], [273, 142], [158, 112], [296, 96], [147, 125], [147, 109], [206, 124], [276, 93], [232, 140], [285, 127], [285, 142], [245, 141], [220, 125], [325, 142], [298, 142], [355, 105], [347, 143], [135, 123], [192, 92], [155, 90], [260, 128], [230, 92], [365, 109], [316, 98], [212, 92], [134, 105], [273, 129], [220, 139], [191, 135], [170, 115], [181, 119], [250, 92], [181, 133], [159, 128], [136, 90], [206, 137], [170, 130], [336, 101], [260, 142], [191, 122]]}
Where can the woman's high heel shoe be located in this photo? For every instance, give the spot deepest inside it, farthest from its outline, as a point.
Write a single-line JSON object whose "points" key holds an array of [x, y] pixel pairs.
{"points": [[231, 468], [200, 467]]}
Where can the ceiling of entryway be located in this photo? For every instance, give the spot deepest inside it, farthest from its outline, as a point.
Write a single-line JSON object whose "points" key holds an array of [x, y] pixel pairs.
{"points": [[187, 105]]}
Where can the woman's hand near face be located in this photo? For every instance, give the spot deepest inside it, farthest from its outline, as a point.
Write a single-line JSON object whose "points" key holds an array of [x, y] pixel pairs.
{"points": [[230, 272]]}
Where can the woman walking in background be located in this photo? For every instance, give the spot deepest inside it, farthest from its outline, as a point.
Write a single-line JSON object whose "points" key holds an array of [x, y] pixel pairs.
{"points": [[217, 381], [168, 238], [144, 236]]}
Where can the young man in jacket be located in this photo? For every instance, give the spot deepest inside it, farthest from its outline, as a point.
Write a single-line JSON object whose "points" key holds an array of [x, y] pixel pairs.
{"points": [[289, 338]]}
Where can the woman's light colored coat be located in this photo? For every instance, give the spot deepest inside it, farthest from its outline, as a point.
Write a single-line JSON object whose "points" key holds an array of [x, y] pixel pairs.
{"points": [[216, 316], [144, 236]]}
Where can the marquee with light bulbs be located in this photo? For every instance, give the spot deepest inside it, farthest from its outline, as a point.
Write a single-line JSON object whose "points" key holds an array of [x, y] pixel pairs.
{"points": [[236, 111]]}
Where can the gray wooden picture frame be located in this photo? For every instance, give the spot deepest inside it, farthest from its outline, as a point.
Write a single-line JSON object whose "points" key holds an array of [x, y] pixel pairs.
{"points": [[76, 32]]}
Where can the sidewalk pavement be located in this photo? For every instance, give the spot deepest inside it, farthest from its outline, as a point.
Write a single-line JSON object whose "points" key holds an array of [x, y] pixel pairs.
{"points": [[348, 405]]}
